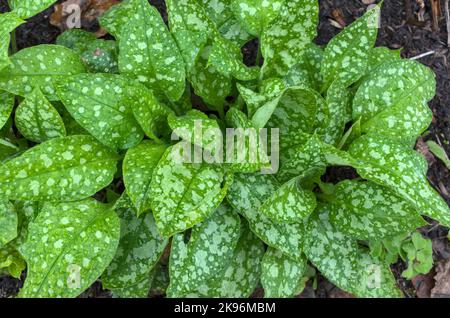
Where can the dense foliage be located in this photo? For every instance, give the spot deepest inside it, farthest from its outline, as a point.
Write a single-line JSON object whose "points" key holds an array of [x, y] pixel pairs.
{"points": [[86, 119]]}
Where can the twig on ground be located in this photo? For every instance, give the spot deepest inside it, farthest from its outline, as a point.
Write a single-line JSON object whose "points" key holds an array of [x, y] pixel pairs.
{"points": [[435, 13], [422, 55], [447, 18]]}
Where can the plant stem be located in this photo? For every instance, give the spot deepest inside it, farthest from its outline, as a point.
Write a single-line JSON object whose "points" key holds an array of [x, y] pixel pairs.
{"points": [[14, 48]]}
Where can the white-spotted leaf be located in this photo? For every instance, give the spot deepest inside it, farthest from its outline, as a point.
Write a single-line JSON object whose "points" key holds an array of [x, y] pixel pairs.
{"points": [[367, 211], [72, 245], [138, 167], [61, 169], [8, 22], [140, 248], [346, 55], [285, 39], [102, 104], [282, 276], [40, 66], [6, 107], [8, 222], [28, 8], [149, 53], [37, 119], [184, 194], [207, 253]]}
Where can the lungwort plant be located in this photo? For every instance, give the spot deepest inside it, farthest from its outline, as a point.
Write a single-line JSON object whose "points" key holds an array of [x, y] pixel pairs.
{"points": [[90, 189]]}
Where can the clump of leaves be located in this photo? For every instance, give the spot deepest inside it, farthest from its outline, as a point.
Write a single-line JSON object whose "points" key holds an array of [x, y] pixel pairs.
{"points": [[89, 188]]}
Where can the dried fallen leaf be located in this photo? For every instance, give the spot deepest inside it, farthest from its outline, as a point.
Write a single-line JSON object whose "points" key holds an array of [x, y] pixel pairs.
{"points": [[79, 13], [423, 148], [368, 1], [423, 285], [442, 278]]}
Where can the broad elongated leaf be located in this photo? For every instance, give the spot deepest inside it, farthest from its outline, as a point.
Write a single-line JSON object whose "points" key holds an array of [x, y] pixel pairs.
{"points": [[246, 195], [28, 8], [37, 119], [344, 263], [140, 248], [307, 70], [346, 55], [148, 111], [392, 100], [184, 194], [73, 243], [338, 100], [6, 107], [207, 82], [232, 30], [76, 39], [61, 169], [367, 211], [281, 276], [242, 274], [191, 27], [227, 58], [284, 40], [8, 222], [219, 11], [380, 55], [138, 167], [206, 255], [255, 15], [149, 53], [8, 22], [289, 203], [390, 163], [40, 66], [197, 128], [102, 104]]}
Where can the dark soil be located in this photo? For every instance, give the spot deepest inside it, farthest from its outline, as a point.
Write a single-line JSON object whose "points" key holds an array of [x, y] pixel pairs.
{"points": [[394, 33]]}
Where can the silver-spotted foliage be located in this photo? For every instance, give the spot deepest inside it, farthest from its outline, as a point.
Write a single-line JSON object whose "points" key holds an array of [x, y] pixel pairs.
{"points": [[91, 186]]}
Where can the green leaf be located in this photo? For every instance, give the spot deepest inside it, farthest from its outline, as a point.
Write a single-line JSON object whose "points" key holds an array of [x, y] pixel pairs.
{"points": [[100, 56], [255, 15], [246, 195], [191, 27], [196, 128], [241, 276], [219, 11], [76, 39], [184, 194], [346, 55], [11, 261], [207, 253], [40, 66], [74, 243], [37, 119], [208, 83], [284, 40], [419, 256], [116, 17], [345, 264], [138, 290], [138, 167], [367, 211], [281, 276], [148, 111], [338, 100], [8, 22], [140, 248], [269, 93], [299, 109], [307, 70], [28, 8], [6, 107], [227, 58], [8, 222], [149, 53], [232, 30], [439, 152], [380, 55], [61, 169], [102, 104], [390, 163], [289, 203], [393, 99]]}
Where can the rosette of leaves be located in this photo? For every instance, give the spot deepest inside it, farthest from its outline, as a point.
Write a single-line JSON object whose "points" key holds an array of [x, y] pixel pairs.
{"points": [[90, 182]]}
